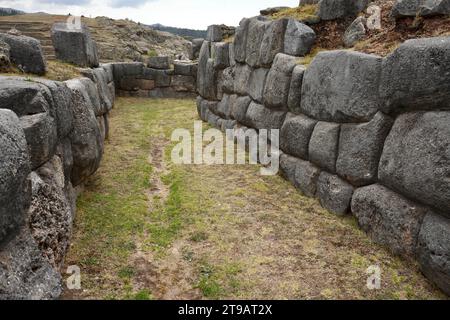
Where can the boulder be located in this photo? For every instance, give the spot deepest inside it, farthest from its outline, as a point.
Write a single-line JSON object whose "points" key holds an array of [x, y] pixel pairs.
{"points": [[337, 9], [433, 250], [214, 33], [390, 219], [240, 41], [239, 108], [323, 146], [416, 76], [220, 52], [15, 191], [278, 82], [87, 142], [26, 53], [295, 135], [334, 193], [306, 177], [295, 89], [299, 38], [355, 32], [255, 35], [342, 86], [74, 45], [360, 148], [24, 273], [259, 117], [416, 159], [242, 73], [42, 137], [256, 84], [273, 42], [160, 63], [413, 8]]}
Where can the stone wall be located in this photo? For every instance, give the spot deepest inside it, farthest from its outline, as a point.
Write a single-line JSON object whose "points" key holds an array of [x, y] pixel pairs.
{"points": [[366, 135], [155, 79], [51, 137]]}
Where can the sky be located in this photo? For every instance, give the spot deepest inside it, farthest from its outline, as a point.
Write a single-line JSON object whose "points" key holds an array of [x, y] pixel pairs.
{"points": [[196, 14]]}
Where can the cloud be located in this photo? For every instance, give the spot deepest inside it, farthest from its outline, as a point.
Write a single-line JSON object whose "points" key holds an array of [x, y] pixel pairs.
{"points": [[65, 2], [128, 3]]}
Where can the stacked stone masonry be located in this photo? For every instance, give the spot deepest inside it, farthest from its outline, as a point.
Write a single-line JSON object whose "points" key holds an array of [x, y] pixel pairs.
{"points": [[366, 135]]}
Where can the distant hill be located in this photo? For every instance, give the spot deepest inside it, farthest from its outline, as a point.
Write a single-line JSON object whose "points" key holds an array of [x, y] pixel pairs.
{"points": [[183, 32], [10, 12]]}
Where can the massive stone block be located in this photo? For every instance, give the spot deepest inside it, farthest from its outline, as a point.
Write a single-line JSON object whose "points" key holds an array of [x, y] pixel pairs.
{"points": [[342, 86], [87, 143], [272, 42], [225, 105], [389, 219], [127, 69], [256, 84], [295, 89], [214, 33], [242, 73], [416, 158], [239, 108], [278, 82], [196, 46], [334, 193], [50, 215], [60, 105], [360, 148], [336, 9], [90, 89], [288, 165], [24, 273], [23, 97], [159, 62], [100, 77], [416, 76], [323, 146], [306, 177], [295, 135], [299, 38], [15, 191], [42, 137], [74, 45], [240, 41], [26, 52], [433, 250], [255, 34], [185, 68], [205, 68], [161, 78], [259, 117], [183, 83], [220, 52]]}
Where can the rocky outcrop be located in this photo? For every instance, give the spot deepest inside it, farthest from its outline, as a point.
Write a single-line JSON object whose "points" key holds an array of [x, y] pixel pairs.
{"points": [[74, 45], [26, 53]]}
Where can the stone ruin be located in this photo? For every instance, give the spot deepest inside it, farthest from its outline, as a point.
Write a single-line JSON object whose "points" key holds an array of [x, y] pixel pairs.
{"points": [[366, 135]]}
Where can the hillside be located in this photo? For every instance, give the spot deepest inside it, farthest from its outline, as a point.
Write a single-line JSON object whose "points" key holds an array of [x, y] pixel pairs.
{"points": [[10, 12], [182, 32], [117, 40]]}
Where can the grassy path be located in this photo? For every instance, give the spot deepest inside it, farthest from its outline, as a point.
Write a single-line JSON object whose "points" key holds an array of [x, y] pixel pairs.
{"points": [[147, 229]]}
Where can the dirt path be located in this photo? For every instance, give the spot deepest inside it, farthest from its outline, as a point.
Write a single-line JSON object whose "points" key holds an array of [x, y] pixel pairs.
{"points": [[147, 229]]}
